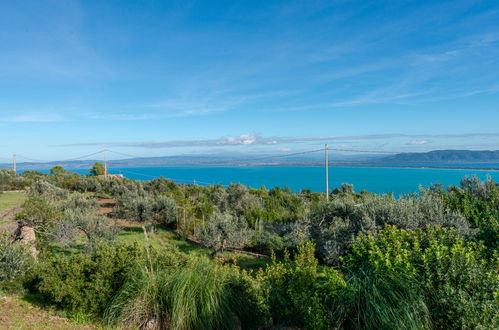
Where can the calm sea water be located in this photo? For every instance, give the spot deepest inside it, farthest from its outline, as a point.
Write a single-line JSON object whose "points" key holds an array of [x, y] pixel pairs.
{"points": [[378, 180]]}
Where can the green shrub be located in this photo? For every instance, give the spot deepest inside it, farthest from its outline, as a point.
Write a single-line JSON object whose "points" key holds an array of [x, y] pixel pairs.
{"points": [[47, 191], [298, 295], [84, 283], [15, 258], [164, 210], [224, 231], [479, 203], [458, 285], [39, 214], [383, 300], [9, 180], [337, 222], [264, 241]]}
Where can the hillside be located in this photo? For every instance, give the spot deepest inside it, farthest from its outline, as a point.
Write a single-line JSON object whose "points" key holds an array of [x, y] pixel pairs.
{"points": [[444, 156], [316, 159]]}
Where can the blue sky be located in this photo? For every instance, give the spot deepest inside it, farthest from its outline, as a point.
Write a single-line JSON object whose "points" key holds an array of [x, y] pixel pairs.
{"points": [[165, 77]]}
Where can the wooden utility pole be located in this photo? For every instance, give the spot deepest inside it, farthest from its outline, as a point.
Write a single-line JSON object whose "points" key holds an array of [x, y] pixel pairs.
{"points": [[14, 162], [327, 171]]}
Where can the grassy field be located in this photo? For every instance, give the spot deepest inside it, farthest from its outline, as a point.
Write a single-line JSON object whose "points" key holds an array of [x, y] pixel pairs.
{"points": [[11, 199]]}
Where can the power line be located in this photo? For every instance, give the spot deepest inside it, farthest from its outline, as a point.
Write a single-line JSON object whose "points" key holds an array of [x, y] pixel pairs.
{"points": [[31, 159], [367, 151], [174, 179], [279, 156], [249, 159], [124, 154], [60, 161]]}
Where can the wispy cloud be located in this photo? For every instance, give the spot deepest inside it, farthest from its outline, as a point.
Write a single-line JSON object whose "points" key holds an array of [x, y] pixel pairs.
{"points": [[210, 102], [254, 139], [418, 142]]}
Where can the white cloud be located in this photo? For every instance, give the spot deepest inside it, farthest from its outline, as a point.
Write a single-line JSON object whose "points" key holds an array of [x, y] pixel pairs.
{"points": [[258, 139], [418, 142]]}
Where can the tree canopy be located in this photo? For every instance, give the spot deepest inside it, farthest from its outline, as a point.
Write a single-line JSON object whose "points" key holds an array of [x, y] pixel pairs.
{"points": [[98, 169]]}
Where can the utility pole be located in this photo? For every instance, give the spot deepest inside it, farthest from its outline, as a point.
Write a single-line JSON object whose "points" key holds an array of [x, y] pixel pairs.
{"points": [[327, 172], [14, 162], [105, 164]]}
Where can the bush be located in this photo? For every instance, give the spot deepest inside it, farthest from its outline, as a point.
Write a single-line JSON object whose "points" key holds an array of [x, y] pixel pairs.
{"points": [[58, 170], [87, 184], [47, 191], [264, 241], [165, 210], [198, 295], [15, 258], [479, 203], [337, 222], [298, 296], [376, 300], [458, 286], [224, 231], [84, 283], [9, 180], [40, 215]]}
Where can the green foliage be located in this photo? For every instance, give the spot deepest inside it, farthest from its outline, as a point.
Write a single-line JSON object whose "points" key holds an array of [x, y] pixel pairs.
{"points": [[164, 210], [58, 170], [458, 285], [15, 258], [144, 207], [40, 214], [335, 223], [97, 169], [389, 300], [479, 203], [87, 184], [426, 260], [51, 193], [9, 180], [224, 231], [344, 189], [265, 241], [84, 283], [199, 295], [297, 295]]}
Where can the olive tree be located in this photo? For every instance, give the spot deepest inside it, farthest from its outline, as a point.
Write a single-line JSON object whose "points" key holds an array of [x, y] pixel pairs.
{"points": [[224, 231]]}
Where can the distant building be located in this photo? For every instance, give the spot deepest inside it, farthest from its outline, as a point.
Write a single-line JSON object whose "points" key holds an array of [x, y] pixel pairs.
{"points": [[112, 176]]}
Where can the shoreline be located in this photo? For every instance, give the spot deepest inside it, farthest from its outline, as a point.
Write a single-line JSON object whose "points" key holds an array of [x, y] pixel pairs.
{"points": [[494, 169]]}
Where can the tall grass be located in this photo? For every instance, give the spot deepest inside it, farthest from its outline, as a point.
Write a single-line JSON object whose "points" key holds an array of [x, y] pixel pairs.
{"points": [[387, 301], [191, 297]]}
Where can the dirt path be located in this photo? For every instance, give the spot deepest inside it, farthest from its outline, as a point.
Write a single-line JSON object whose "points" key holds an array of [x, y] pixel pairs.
{"points": [[16, 313], [106, 205]]}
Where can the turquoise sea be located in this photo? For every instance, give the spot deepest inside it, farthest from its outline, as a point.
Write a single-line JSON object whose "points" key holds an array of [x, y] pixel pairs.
{"points": [[378, 180]]}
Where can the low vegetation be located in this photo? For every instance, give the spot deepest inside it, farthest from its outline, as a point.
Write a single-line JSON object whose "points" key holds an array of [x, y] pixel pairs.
{"points": [[174, 256]]}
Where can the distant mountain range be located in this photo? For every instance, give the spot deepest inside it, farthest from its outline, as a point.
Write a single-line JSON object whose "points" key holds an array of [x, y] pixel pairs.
{"points": [[444, 156], [437, 158]]}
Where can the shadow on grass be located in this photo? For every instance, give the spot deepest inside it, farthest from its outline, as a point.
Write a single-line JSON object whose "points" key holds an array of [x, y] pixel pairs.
{"points": [[38, 300], [132, 230]]}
